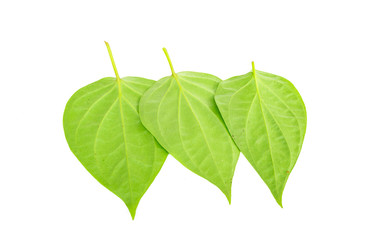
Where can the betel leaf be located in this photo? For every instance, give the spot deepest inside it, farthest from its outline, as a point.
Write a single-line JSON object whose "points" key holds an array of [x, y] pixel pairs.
{"points": [[104, 131], [180, 111], [267, 119]]}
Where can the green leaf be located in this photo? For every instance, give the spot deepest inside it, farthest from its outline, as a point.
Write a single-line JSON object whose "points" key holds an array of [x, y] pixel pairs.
{"points": [[267, 119], [104, 131], [181, 113]]}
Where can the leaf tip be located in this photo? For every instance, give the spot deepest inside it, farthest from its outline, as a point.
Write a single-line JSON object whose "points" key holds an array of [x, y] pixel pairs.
{"points": [[132, 207], [132, 212], [280, 202], [228, 195]]}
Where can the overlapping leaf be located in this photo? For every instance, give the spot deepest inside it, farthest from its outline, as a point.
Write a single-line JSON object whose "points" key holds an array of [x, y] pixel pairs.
{"points": [[267, 119], [181, 113], [104, 131]]}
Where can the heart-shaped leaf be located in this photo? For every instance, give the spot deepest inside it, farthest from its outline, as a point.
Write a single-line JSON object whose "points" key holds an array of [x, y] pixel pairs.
{"points": [[267, 119], [104, 131], [181, 113]]}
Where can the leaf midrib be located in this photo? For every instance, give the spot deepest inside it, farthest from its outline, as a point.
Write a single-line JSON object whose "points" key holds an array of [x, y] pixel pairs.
{"points": [[204, 135], [124, 136], [268, 137], [158, 122]]}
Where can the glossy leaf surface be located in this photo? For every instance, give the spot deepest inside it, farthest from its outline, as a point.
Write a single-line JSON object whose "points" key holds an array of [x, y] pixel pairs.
{"points": [[181, 113], [267, 119], [104, 131]]}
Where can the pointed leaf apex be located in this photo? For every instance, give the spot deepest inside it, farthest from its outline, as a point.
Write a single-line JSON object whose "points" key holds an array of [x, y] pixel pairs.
{"points": [[132, 211], [132, 214], [279, 201], [227, 193]]}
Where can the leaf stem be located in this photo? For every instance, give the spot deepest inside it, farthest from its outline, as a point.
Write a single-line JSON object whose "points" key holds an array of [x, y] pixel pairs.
{"points": [[253, 66], [170, 63], [113, 61]]}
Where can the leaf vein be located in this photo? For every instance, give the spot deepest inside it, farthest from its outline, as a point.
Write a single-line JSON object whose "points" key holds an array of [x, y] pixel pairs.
{"points": [[88, 110], [130, 88], [283, 102], [205, 138]]}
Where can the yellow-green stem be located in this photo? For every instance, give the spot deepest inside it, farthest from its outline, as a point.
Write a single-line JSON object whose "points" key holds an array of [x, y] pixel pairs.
{"points": [[253, 66], [113, 61], [170, 63]]}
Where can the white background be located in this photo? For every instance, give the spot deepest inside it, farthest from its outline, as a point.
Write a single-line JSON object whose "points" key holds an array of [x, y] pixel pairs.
{"points": [[50, 49]]}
